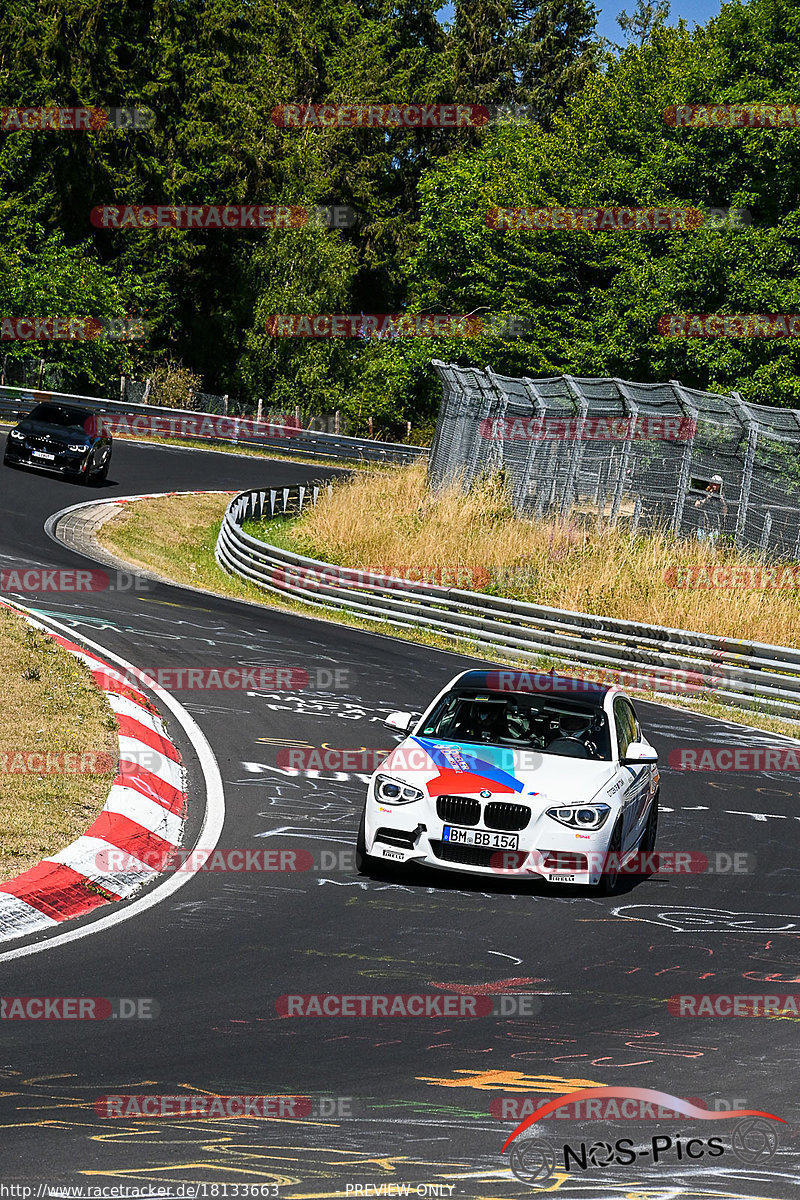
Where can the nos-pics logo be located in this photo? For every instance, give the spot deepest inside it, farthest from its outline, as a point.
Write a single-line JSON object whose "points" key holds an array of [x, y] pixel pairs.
{"points": [[535, 1160]]}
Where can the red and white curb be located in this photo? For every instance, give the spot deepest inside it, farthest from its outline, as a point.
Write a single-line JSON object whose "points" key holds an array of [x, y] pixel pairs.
{"points": [[143, 818]]}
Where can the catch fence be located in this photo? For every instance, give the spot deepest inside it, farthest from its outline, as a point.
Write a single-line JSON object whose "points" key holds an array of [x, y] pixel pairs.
{"points": [[644, 453]]}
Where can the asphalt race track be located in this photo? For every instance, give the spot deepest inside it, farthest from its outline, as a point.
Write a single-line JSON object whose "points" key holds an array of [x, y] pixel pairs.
{"points": [[404, 1100]]}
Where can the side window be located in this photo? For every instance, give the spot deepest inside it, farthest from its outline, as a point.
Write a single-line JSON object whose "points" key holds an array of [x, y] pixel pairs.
{"points": [[625, 722]]}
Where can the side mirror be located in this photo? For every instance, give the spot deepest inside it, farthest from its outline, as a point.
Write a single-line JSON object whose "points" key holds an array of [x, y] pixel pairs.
{"points": [[640, 752], [400, 720]]}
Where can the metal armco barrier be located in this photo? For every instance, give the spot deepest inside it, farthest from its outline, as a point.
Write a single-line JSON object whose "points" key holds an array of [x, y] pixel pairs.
{"points": [[16, 403], [742, 674]]}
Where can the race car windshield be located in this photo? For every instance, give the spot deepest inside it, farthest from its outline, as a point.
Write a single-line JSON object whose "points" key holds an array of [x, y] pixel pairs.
{"points": [[549, 724], [54, 414]]}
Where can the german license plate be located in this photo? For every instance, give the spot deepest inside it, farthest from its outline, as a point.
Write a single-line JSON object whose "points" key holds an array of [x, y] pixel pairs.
{"points": [[480, 837], [43, 454]]}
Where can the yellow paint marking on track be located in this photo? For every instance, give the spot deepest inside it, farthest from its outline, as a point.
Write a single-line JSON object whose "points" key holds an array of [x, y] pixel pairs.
{"points": [[515, 1081], [155, 1172], [268, 741]]}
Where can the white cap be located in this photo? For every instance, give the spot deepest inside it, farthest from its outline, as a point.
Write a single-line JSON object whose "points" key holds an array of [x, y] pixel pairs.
{"points": [[716, 479]]}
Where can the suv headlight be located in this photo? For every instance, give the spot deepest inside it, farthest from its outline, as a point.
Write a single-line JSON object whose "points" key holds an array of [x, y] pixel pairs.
{"points": [[394, 791], [78, 449], [15, 433], [581, 816]]}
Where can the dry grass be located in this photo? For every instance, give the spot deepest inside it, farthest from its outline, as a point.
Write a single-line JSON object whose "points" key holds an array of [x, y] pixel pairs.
{"points": [[380, 519], [174, 536], [50, 703]]}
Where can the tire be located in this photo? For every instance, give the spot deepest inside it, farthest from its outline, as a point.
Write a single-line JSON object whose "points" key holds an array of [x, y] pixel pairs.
{"points": [[364, 861], [101, 475], [648, 843], [610, 882]]}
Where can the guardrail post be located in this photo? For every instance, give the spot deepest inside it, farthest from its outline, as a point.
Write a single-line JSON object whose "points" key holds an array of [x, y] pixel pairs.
{"points": [[686, 459], [747, 474]]}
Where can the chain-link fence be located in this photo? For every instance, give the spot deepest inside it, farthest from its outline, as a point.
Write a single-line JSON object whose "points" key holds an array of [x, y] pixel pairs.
{"points": [[651, 454]]}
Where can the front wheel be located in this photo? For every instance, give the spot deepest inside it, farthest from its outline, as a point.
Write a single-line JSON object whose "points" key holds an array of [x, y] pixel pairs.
{"points": [[102, 474], [648, 843], [610, 879]]}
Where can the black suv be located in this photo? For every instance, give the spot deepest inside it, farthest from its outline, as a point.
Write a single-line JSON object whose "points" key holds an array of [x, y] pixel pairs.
{"points": [[58, 437]]}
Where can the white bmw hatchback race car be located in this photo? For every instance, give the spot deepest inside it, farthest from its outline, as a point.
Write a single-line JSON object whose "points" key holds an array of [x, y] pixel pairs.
{"points": [[510, 773]]}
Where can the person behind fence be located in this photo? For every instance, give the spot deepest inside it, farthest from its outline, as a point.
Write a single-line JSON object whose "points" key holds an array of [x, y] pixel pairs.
{"points": [[713, 512]]}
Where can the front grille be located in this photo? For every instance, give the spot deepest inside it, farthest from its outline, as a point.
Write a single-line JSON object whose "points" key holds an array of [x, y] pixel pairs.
{"points": [[501, 815], [459, 810], [479, 856]]}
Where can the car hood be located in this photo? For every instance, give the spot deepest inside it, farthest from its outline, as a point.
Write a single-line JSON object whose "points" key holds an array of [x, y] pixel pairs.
{"points": [[62, 434], [442, 767]]}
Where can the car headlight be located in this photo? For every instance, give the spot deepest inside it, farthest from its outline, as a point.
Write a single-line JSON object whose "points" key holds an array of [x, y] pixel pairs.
{"points": [[583, 816], [78, 449], [20, 437], [394, 791]]}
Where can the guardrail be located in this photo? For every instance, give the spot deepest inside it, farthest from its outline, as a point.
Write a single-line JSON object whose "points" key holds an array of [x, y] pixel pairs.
{"points": [[743, 674], [16, 403]]}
